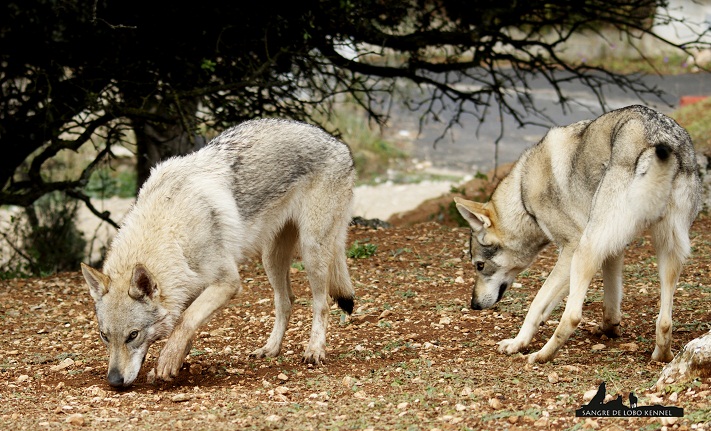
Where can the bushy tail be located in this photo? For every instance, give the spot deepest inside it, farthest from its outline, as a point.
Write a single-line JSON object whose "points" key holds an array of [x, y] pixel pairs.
{"points": [[340, 287], [651, 187]]}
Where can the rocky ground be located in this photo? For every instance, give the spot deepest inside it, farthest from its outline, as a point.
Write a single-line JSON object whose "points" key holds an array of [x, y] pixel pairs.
{"points": [[412, 356]]}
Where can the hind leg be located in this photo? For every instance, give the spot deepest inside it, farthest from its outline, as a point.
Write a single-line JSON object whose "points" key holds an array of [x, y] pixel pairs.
{"points": [[322, 235], [671, 241], [316, 258], [612, 282], [277, 261]]}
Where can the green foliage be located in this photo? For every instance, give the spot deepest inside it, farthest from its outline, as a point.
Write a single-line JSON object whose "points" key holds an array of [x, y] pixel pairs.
{"points": [[372, 154], [361, 251], [44, 239], [696, 119], [106, 182]]}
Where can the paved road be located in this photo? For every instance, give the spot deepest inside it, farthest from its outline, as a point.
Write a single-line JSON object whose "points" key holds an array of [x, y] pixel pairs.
{"points": [[464, 150]]}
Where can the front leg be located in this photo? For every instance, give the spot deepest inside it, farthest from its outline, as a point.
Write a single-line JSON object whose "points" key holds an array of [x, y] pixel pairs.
{"points": [[583, 268], [178, 344], [551, 293]]}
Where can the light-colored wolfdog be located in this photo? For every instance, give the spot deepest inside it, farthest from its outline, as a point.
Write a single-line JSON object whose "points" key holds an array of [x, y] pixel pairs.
{"points": [[261, 188], [589, 188]]}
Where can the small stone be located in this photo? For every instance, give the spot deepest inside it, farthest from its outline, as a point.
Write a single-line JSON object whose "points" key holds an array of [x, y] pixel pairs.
{"points": [[179, 398], [151, 377], [598, 347], [66, 363], [629, 347], [402, 406], [23, 378], [459, 280], [589, 395], [553, 378], [512, 419], [273, 418], [495, 404], [283, 377], [655, 400], [668, 421], [76, 419], [541, 422], [281, 390], [591, 423]]}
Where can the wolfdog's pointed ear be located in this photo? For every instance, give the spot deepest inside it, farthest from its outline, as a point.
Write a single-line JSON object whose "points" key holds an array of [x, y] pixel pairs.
{"points": [[97, 281], [142, 283], [474, 213]]}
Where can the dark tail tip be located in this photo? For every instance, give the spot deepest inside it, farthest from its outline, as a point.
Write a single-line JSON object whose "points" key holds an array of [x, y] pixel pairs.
{"points": [[345, 304], [663, 151]]}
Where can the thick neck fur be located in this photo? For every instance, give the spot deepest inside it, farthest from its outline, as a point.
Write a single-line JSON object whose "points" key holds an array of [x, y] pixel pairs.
{"points": [[516, 228]]}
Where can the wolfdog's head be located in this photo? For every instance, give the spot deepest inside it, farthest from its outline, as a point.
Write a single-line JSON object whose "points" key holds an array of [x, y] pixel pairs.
{"points": [[496, 262], [130, 317]]}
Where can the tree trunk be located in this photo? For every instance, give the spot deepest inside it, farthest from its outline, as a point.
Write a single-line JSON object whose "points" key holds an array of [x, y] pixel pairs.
{"points": [[156, 141], [693, 361]]}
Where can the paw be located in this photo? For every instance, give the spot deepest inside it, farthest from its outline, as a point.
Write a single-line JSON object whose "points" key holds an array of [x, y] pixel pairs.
{"points": [[511, 346], [612, 330], [662, 355], [314, 357], [537, 358], [171, 360], [264, 352], [542, 356], [168, 367]]}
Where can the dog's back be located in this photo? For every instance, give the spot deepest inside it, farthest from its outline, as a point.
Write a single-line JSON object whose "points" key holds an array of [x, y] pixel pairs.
{"points": [[564, 171], [229, 198]]}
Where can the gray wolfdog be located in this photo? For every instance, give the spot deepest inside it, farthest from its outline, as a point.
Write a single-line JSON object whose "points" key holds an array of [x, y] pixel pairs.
{"points": [[262, 188], [589, 188]]}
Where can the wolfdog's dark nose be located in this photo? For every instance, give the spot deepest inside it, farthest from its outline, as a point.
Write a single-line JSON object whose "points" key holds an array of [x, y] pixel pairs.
{"points": [[475, 305], [115, 378]]}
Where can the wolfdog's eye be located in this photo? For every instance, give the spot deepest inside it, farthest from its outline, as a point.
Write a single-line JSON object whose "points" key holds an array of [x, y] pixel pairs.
{"points": [[132, 336], [103, 336], [479, 266]]}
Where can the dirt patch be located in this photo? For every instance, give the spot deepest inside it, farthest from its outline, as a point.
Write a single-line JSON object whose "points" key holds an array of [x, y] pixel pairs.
{"points": [[412, 356]]}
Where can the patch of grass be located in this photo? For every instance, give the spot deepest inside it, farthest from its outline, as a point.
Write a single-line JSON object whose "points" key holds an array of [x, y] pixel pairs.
{"points": [[665, 65], [696, 119], [533, 413], [361, 251]]}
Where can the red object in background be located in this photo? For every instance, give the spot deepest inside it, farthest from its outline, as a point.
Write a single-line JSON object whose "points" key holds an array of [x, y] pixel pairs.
{"points": [[688, 100]]}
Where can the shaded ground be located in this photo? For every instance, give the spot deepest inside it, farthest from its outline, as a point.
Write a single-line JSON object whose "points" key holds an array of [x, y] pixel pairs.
{"points": [[412, 356]]}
